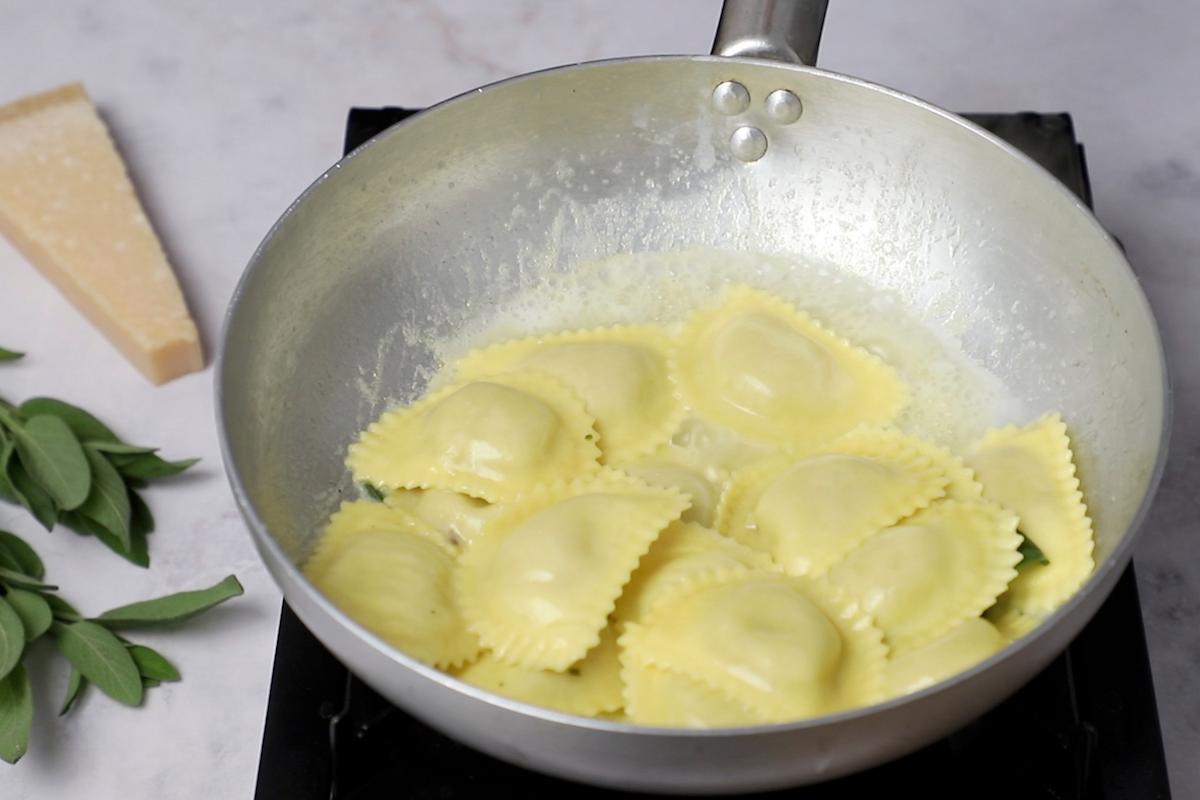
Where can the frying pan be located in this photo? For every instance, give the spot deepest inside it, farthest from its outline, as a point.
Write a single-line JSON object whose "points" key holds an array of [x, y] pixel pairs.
{"points": [[432, 226]]}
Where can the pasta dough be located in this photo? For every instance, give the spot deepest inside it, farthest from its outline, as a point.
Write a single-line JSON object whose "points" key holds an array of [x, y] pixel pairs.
{"points": [[772, 372], [685, 554], [714, 451], [785, 647], [540, 582], [961, 483], [622, 374], [353, 518], [809, 513], [960, 648], [492, 439], [591, 686], [703, 494], [399, 586], [935, 569], [657, 696], [1030, 470], [458, 517]]}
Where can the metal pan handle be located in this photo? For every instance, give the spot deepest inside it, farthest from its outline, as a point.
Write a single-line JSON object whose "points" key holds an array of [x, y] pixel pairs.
{"points": [[783, 30]]}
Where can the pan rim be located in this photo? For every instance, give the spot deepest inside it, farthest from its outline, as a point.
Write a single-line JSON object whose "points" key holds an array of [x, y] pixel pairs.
{"points": [[278, 560]]}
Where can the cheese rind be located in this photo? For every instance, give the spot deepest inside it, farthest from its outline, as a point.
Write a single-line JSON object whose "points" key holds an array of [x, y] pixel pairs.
{"points": [[66, 202]]}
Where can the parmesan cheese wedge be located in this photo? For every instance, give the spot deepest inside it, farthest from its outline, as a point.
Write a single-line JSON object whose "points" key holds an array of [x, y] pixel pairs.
{"points": [[68, 204]]}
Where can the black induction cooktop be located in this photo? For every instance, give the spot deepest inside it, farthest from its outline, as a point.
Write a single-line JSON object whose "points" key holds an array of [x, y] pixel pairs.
{"points": [[1086, 727]]}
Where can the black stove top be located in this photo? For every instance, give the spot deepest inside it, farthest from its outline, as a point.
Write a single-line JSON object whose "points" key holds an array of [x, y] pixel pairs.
{"points": [[1086, 727]]}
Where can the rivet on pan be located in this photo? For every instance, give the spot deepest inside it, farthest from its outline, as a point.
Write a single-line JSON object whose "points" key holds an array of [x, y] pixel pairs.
{"points": [[783, 107], [748, 144], [731, 97]]}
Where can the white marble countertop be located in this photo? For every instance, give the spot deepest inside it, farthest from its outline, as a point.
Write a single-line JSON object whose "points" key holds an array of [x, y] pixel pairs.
{"points": [[227, 110]]}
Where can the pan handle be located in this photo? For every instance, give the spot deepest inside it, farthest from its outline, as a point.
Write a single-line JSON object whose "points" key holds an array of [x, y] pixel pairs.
{"points": [[783, 30]]}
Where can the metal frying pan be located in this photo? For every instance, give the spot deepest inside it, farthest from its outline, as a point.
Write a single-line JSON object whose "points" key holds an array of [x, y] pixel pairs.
{"points": [[417, 236]]}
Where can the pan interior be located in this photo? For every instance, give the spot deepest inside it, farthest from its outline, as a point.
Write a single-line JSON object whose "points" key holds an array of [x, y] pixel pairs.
{"points": [[443, 225]]}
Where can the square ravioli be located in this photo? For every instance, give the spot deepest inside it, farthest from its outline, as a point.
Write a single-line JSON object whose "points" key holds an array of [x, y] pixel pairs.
{"points": [[540, 582], [772, 372], [786, 647], [924, 575], [400, 586], [657, 696], [588, 687], [809, 512], [623, 375], [492, 439], [1031, 471], [683, 555], [960, 648]]}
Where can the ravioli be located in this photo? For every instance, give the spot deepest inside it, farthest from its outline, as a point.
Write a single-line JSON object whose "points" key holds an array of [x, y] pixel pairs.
{"points": [[493, 439], [941, 566], [786, 647], [1030, 470], [656, 696], [960, 648], [538, 585], [359, 516], [458, 517], [622, 374], [703, 493], [399, 586], [713, 451], [1010, 619], [683, 555], [591, 686], [810, 512], [712, 524], [772, 372], [961, 483]]}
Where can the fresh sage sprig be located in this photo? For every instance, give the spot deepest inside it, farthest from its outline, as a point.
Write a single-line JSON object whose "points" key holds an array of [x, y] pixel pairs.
{"points": [[98, 654], [67, 467]]}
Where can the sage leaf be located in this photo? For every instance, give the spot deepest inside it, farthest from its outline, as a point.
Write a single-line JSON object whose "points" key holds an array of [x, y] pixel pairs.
{"points": [[137, 552], [141, 521], [19, 580], [33, 610], [121, 449], [1031, 554], [61, 608], [108, 502], [16, 715], [8, 492], [75, 684], [171, 608], [7, 561], [151, 664], [32, 495], [148, 466], [12, 638], [24, 555], [85, 426], [102, 659], [372, 491], [10, 355], [52, 455]]}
